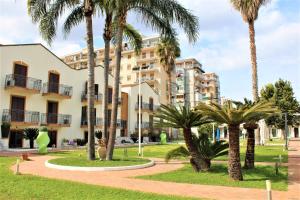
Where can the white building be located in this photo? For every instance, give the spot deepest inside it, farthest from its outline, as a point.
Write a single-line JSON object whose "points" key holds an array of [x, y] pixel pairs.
{"points": [[149, 103], [39, 89]]}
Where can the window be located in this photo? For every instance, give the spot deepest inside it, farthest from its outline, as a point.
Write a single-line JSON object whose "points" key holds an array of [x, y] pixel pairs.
{"points": [[143, 55], [152, 54], [129, 67], [128, 78], [129, 56]]}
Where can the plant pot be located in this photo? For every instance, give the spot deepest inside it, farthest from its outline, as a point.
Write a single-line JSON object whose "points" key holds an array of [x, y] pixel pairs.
{"points": [[25, 156]]}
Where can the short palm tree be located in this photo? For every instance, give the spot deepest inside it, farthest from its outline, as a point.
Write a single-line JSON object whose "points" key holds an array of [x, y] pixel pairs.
{"points": [[183, 117], [249, 11], [46, 14], [157, 14], [207, 150], [168, 50], [233, 116], [31, 134]]}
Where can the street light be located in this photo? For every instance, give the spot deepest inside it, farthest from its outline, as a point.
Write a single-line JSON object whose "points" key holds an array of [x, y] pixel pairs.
{"points": [[139, 69]]}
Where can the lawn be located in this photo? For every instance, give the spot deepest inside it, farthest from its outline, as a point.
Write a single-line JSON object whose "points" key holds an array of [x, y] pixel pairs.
{"points": [[254, 178], [33, 187], [81, 161]]}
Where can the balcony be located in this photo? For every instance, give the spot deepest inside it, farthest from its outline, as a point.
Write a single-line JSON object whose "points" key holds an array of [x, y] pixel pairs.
{"points": [[146, 107], [144, 125], [110, 100], [57, 90], [84, 123], [20, 117], [146, 59], [20, 83], [56, 120], [98, 97], [121, 123], [150, 79]]}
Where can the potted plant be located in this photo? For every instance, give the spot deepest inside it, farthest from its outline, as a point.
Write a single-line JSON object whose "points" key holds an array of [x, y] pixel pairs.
{"points": [[31, 134], [5, 129], [65, 142]]}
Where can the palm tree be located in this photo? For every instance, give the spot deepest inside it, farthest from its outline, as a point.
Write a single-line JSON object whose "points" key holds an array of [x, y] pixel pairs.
{"points": [[158, 14], [233, 116], [47, 13], [183, 117], [207, 150], [31, 134], [168, 50], [249, 11]]}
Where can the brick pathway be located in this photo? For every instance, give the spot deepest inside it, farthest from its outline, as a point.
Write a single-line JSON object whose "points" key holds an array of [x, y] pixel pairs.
{"points": [[125, 180], [294, 170]]}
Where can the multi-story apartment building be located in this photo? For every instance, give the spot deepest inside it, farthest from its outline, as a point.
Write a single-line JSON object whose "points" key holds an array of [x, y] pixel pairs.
{"points": [[211, 88], [152, 71], [149, 104], [39, 89], [189, 76]]}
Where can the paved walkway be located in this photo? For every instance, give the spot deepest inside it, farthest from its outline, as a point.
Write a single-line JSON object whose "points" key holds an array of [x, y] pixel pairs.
{"points": [[294, 170]]}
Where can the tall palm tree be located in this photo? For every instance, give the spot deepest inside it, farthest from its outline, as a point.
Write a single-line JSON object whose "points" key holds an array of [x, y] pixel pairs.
{"points": [[183, 117], [47, 13], [158, 14], [168, 50], [249, 11], [233, 116]]}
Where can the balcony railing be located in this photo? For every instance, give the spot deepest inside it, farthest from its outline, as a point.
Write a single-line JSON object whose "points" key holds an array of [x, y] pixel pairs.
{"points": [[110, 100], [22, 116], [60, 89], [144, 79], [14, 80], [146, 106], [144, 125], [56, 119], [84, 122], [98, 97], [121, 123]]}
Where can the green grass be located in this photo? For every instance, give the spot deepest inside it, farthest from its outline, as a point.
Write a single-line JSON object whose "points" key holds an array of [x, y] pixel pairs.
{"points": [[38, 188], [262, 153], [83, 162], [254, 178]]}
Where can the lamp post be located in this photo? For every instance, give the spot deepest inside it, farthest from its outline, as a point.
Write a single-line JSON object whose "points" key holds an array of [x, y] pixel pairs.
{"points": [[139, 69]]}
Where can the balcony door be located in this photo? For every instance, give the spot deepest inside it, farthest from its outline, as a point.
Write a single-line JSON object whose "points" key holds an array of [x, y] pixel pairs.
{"points": [[151, 103], [15, 139], [52, 114], [53, 86], [20, 74], [17, 109], [53, 138]]}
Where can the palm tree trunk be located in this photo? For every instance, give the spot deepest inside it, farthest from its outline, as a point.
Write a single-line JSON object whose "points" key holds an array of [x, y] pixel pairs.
{"points": [[91, 80], [234, 164], [196, 161], [107, 38], [31, 143], [170, 99], [113, 125], [250, 151], [253, 61]]}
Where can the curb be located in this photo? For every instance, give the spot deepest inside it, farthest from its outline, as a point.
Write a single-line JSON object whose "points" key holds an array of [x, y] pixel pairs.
{"points": [[99, 169]]}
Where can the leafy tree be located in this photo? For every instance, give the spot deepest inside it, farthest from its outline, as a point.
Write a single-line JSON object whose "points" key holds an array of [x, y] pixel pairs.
{"points": [[233, 116], [31, 134], [206, 149], [183, 118], [249, 11], [283, 95]]}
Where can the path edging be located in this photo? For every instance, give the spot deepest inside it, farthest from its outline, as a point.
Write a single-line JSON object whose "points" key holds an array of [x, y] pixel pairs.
{"points": [[100, 169]]}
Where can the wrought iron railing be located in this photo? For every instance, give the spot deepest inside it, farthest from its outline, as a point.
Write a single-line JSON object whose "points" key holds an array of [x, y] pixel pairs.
{"points": [[144, 125], [24, 116], [23, 81], [58, 119], [146, 106], [61, 89], [98, 97], [84, 121]]}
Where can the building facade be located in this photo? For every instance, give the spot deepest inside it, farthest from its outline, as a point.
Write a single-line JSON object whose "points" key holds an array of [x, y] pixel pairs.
{"points": [[152, 71], [39, 90], [211, 88]]}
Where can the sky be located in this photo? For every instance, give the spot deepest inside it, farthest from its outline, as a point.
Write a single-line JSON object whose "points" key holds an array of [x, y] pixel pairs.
{"points": [[222, 47]]}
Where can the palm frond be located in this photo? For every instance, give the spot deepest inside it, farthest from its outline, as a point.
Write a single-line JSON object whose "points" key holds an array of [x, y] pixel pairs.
{"points": [[179, 152], [133, 37], [73, 19]]}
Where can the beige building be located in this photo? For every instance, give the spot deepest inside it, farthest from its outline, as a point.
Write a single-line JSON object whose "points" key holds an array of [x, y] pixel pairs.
{"points": [[211, 88], [38, 89], [153, 72]]}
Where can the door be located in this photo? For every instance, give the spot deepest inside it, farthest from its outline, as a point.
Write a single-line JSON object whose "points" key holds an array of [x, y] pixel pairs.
{"points": [[53, 86], [151, 104], [53, 136], [84, 116], [15, 139], [52, 115], [17, 109], [20, 75], [110, 91], [86, 136], [296, 130]]}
